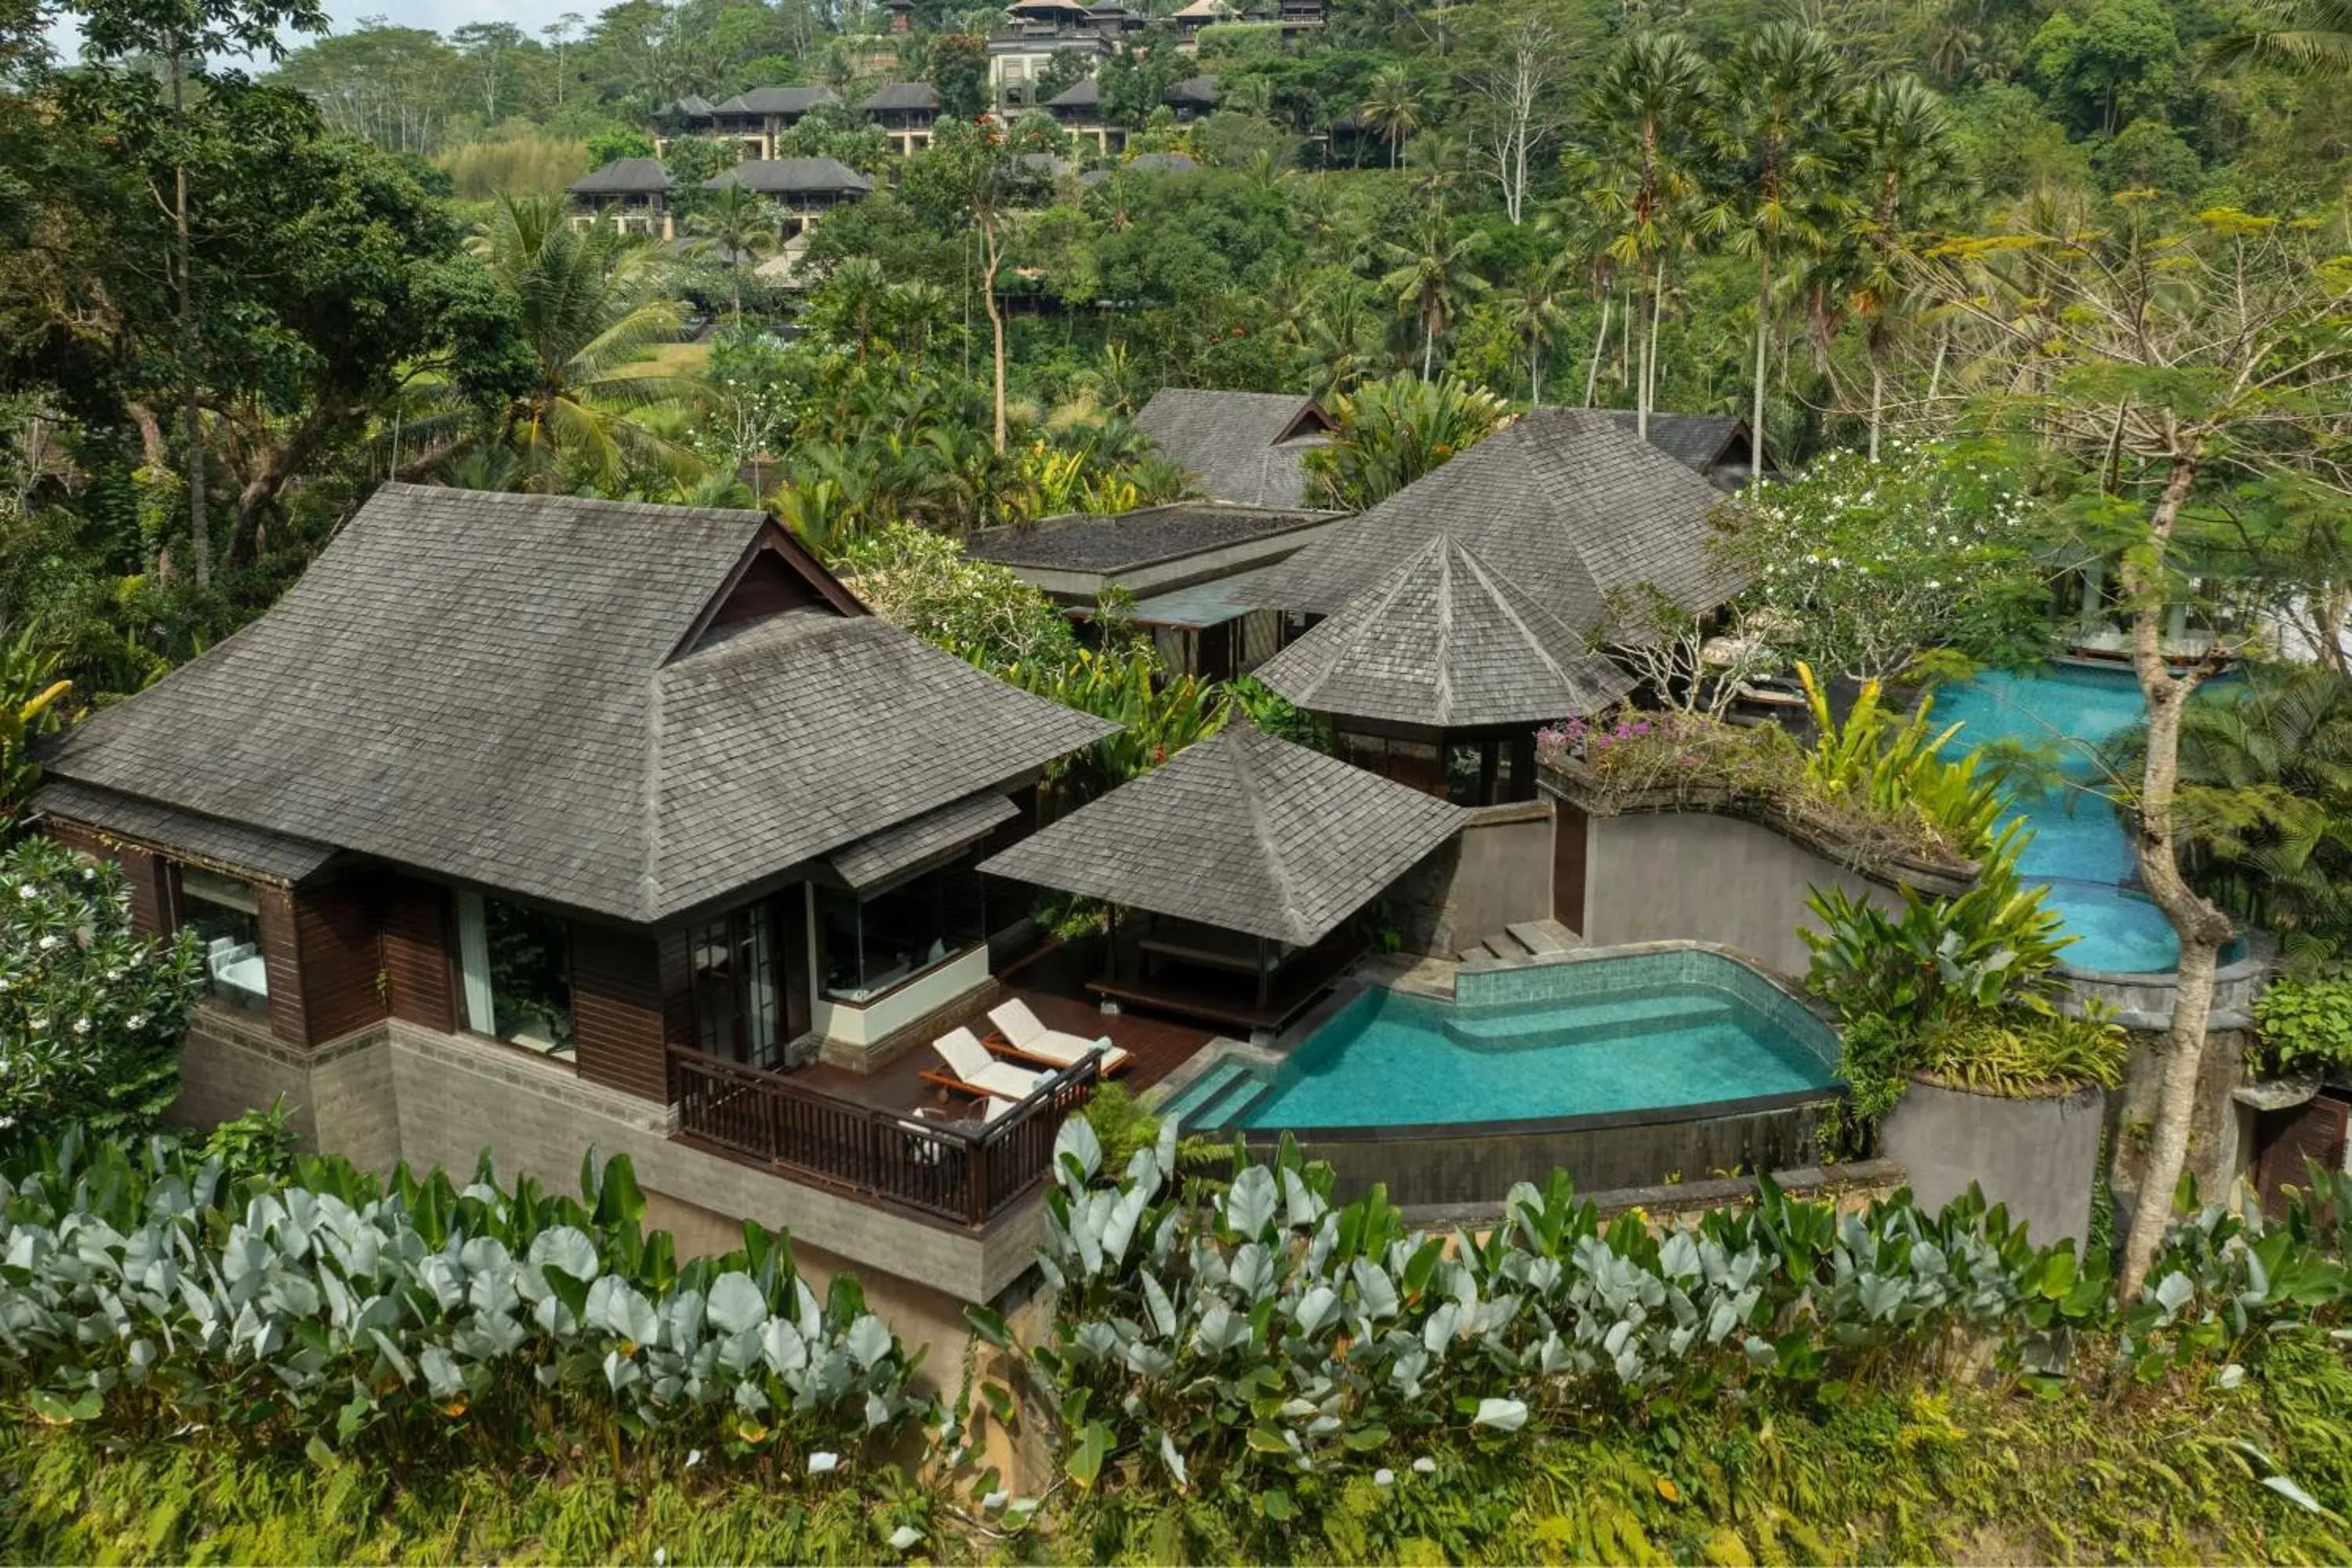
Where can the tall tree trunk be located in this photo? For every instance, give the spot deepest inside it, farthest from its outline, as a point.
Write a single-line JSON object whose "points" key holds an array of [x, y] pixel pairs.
{"points": [[1600, 344], [200, 540], [1534, 375], [2201, 928], [995, 322], [1646, 397], [1877, 402], [1763, 332], [1428, 342]]}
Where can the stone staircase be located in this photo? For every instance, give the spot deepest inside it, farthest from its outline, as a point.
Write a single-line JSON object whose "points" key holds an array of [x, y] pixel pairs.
{"points": [[1519, 944]]}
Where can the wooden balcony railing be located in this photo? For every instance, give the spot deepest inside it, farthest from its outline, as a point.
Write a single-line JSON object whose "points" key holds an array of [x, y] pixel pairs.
{"points": [[953, 1170]]}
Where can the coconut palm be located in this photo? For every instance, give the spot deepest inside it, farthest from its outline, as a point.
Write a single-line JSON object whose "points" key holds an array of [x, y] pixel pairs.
{"points": [[737, 224], [1432, 278], [1905, 149], [1784, 89], [1536, 310], [1343, 337], [589, 303], [2302, 37], [1394, 107], [1647, 106]]}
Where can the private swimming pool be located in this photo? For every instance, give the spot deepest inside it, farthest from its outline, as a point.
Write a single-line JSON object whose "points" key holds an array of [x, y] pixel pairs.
{"points": [[2078, 848], [1587, 1039]]}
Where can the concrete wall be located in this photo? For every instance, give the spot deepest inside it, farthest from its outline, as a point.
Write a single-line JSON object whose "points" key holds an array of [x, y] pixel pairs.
{"points": [[1495, 873], [2145, 1001], [851, 1025], [2038, 1157], [396, 1092], [1695, 876]]}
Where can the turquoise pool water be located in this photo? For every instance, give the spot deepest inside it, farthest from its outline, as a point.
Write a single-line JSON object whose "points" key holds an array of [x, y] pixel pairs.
{"points": [[2079, 848], [1559, 1040]]}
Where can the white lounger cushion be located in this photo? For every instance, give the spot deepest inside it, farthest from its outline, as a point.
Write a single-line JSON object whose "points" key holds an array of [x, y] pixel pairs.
{"points": [[970, 1061], [1028, 1034]]}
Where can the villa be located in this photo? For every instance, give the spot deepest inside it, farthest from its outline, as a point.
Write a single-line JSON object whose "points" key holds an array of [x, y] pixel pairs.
{"points": [[907, 110], [752, 121], [1451, 621], [631, 193], [1248, 447], [1184, 563], [804, 188]]}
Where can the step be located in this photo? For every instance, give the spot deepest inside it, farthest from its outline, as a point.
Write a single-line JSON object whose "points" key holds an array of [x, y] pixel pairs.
{"points": [[1211, 1085], [1504, 945], [1619, 1019], [1235, 1096], [1537, 937]]}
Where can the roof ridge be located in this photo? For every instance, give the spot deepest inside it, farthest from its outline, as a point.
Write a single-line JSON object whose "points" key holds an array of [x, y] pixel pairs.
{"points": [[1506, 598], [1274, 857]]}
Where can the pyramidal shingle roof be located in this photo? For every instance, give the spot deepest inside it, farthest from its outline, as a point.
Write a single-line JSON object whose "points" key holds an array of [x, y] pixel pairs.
{"points": [[624, 177], [792, 176], [1243, 832], [1445, 642], [1563, 504], [510, 691]]}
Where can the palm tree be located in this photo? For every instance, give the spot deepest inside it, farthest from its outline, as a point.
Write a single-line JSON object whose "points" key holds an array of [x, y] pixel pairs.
{"points": [[589, 302], [1784, 88], [1536, 309], [1433, 278], [2302, 37], [1394, 107], [1647, 103], [1343, 339], [737, 223], [1904, 145]]}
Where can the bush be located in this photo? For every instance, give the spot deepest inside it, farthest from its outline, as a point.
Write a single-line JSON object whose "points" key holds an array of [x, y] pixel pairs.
{"points": [[2017, 1055], [2306, 1025], [147, 1289], [91, 1012]]}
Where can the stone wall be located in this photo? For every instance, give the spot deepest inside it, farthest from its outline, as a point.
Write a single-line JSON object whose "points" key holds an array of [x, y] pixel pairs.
{"points": [[396, 1092], [2145, 1001], [1496, 873], [1695, 876]]}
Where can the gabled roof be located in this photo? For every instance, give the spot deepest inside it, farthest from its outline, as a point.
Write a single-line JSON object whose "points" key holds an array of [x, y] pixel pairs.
{"points": [[778, 100], [1700, 441], [902, 95], [1199, 89], [1243, 832], [1445, 642], [624, 177], [1086, 94], [1203, 10], [1244, 447], [693, 104], [543, 695], [1562, 503], [792, 176]]}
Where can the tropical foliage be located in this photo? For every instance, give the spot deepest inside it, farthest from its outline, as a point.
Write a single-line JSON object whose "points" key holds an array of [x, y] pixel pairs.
{"points": [[90, 1011], [407, 1315], [1393, 432], [2306, 1025]]}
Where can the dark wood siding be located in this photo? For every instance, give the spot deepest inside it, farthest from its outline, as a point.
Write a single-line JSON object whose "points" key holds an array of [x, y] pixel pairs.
{"points": [[416, 968], [141, 871], [281, 952], [1568, 866], [618, 1025], [767, 586], [677, 979], [335, 930]]}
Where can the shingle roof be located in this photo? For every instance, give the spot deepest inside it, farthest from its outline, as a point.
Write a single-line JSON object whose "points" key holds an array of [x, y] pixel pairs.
{"points": [[792, 176], [188, 835], [1562, 504], [1122, 541], [902, 95], [693, 103], [1201, 90], [874, 860], [778, 100], [486, 685], [1245, 446], [624, 177], [1445, 642], [1086, 94], [1243, 832], [1696, 440]]}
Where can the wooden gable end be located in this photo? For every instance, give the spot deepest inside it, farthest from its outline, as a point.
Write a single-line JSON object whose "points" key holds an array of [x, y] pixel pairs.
{"points": [[777, 573]]}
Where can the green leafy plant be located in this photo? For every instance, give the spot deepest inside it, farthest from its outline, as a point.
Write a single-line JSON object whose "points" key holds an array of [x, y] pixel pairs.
{"points": [[1889, 767], [1989, 947], [2017, 1054], [2306, 1025], [90, 1012]]}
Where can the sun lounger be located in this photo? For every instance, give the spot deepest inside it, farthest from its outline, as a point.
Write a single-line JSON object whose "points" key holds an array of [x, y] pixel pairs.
{"points": [[1029, 1038], [972, 1069]]}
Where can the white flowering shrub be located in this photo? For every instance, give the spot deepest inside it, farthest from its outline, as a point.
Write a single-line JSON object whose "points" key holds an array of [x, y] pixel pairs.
{"points": [[90, 1012], [1857, 567]]}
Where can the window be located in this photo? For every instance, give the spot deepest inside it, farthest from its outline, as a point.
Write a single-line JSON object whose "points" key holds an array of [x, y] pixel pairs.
{"points": [[227, 919], [734, 962], [873, 941], [517, 967]]}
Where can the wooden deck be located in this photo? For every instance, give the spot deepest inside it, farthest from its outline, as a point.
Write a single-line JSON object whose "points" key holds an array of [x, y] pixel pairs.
{"points": [[1051, 982]]}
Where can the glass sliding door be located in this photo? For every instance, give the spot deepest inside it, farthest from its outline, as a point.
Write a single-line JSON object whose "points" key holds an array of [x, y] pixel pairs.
{"points": [[735, 986]]}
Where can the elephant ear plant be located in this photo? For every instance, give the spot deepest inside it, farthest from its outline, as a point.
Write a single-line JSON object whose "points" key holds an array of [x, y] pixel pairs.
{"points": [[143, 1288]]}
